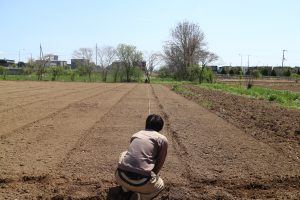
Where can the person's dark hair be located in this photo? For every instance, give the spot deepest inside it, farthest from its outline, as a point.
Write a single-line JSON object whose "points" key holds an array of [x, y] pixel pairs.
{"points": [[154, 122]]}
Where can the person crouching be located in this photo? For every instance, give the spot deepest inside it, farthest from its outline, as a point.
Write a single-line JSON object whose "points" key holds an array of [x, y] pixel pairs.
{"points": [[138, 167]]}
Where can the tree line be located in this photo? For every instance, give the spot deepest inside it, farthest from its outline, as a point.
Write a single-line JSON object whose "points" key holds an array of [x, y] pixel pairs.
{"points": [[185, 57]]}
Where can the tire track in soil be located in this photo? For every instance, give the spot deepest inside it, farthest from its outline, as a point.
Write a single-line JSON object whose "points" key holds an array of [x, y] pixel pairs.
{"points": [[45, 99], [4, 136]]}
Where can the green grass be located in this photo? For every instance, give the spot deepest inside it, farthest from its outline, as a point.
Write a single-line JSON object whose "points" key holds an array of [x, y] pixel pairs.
{"points": [[156, 80], [48, 77], [19, 77], [281, 97], [178, 88], [95, 77]]}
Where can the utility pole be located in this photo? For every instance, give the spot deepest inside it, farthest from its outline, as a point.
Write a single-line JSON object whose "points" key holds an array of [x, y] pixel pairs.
{"points": [[242, 63], [41, 51], [41, 64], [248, 61], [96, 55], [30, 59], [283, 58]]}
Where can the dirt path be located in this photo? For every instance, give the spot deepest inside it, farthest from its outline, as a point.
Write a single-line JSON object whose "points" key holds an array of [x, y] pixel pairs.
{"points": [[71, 150]]}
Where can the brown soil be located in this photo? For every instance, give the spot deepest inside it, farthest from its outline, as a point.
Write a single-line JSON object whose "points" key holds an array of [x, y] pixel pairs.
{"points": [[264, 120], [62, 141]]}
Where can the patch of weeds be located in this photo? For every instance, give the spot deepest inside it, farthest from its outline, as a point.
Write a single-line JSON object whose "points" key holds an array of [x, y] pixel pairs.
{"points": [[206, 104], [181, 90], [272, 97]]}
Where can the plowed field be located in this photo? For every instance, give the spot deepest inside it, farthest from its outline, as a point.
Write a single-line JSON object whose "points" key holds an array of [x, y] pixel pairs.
{"points": [[62, 141]]}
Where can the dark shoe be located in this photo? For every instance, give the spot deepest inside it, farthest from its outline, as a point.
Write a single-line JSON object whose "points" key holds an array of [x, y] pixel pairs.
{"points": [[126, 195], [135, 196]]}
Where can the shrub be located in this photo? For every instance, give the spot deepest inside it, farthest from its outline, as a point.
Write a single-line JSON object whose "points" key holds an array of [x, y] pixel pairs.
{"points": [[56, 71], [28, 70], [273, 73], [164, 72], [208, 75], [272, 97], [295, 77], [264, 71], [71, 73], [193, 72], [257, 74], [137, 74], [223, 71], [3, 72], [287, 73]]}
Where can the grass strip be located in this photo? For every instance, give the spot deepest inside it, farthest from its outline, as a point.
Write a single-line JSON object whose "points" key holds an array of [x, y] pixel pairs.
{"points": [[281, 97]]}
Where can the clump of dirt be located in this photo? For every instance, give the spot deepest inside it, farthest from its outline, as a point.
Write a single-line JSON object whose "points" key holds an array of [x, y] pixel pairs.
{"points": [[5, 180], [34, 178], [264, 120]]}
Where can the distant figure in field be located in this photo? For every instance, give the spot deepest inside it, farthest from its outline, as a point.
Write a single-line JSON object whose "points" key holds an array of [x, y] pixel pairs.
{"points": [[138, 167]]}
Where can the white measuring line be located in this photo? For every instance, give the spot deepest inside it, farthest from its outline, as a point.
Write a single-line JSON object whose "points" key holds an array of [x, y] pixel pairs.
{"points": [[149, 105]]}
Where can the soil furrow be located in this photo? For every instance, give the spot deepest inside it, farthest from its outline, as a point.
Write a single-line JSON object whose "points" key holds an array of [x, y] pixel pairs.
{"points": [[73, 153], [47, 140], [89, 131], [41, 92], [52, 114], [44, 99]]}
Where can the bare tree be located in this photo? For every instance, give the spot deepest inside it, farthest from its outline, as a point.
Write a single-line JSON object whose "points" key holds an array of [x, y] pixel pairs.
{"points": [[153, 60], [129, 56], [86, 54], [40, 67], [106, 56], [184, 48], [29, 68]]}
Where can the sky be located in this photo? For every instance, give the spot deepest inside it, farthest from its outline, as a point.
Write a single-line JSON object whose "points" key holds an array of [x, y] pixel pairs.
{"points": [[234, 29]]}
